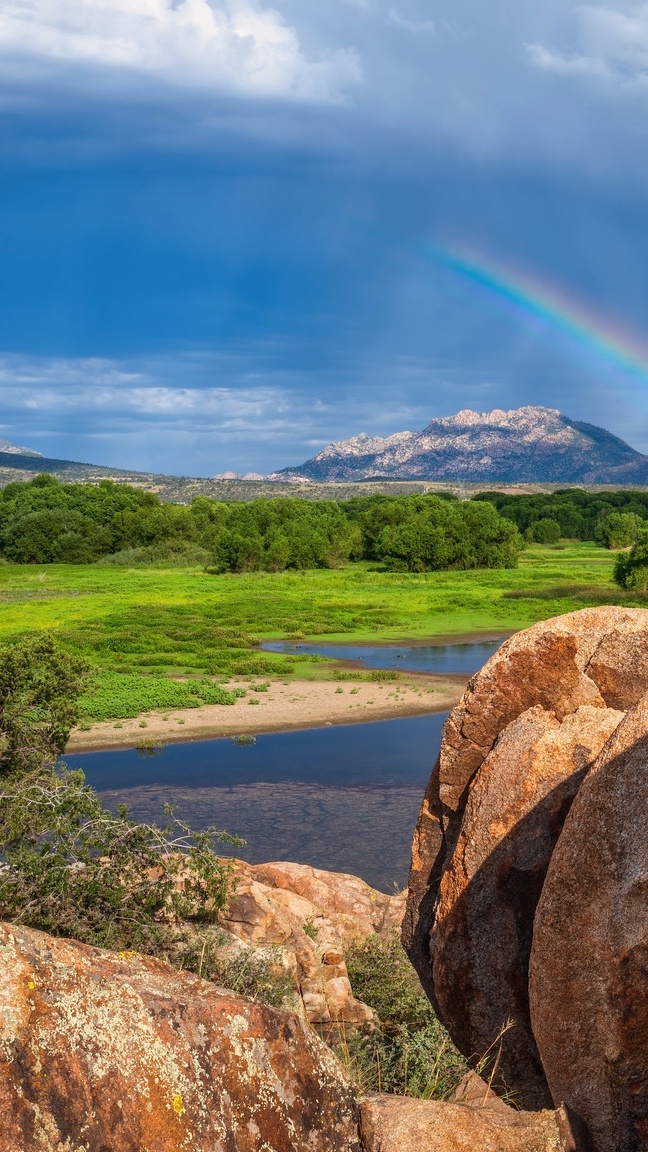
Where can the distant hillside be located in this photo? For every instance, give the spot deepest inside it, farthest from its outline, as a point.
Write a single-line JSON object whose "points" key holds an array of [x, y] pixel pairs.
{"points": [[526, 445], [182, 489]]}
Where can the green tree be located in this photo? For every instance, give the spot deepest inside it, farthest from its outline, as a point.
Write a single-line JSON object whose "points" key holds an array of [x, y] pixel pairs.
{"points": [[620, 529], [546, 531], [631, 568], [40, 686]]}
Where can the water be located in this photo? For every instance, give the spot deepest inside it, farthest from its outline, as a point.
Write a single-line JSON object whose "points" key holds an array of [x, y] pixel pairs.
{"points": [[441, 658], [343, 798]]}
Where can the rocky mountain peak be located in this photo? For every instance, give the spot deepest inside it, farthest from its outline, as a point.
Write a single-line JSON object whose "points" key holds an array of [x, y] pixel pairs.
{"points": [[532, 444]]}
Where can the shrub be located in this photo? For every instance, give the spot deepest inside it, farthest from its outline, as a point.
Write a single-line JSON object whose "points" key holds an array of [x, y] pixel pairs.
{"points": [[256, 972], [40, 686], [116, 695], [72, 868], [408, 1051], [544, 531], [620, 529], [168, 554], [631, 568]]}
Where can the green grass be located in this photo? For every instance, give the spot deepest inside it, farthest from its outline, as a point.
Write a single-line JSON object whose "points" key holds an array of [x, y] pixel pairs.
{"points": [[115, 696], [408, 1051], [152, 623]]}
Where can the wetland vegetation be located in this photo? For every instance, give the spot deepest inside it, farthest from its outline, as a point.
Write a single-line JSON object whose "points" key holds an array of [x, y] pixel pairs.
{"points": [[158, 636]]}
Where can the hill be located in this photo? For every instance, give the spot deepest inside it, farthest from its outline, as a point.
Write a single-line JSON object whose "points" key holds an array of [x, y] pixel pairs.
{"points": [[526, 445]]}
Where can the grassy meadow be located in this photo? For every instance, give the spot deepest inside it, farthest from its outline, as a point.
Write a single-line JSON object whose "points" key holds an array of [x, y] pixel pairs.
{"points": [[144, 627]]}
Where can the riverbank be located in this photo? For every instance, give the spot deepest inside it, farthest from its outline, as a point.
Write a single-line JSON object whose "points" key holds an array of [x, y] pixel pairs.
{"points": [[284, 706]]}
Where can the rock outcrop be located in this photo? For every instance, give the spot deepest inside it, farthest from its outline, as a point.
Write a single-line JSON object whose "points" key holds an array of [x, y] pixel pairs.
{"points": [[398, 1124], [310, 916], [104, 1051], [513, 755], [589, 961]]}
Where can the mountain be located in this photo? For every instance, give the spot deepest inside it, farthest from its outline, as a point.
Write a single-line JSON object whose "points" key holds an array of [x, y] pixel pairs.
{"points": [[14, 450], [530, 445]]}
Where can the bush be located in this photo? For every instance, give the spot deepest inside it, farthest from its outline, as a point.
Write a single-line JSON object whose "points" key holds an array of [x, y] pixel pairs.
{"points": [[40, 686], [255, 972], [620, 529], [408, 1052], [72, 868], [631, 568], [169, 554], [544, 531]]}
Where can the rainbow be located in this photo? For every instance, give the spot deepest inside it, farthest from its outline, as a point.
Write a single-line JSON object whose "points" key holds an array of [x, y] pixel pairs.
{"points": [[536, 299]]}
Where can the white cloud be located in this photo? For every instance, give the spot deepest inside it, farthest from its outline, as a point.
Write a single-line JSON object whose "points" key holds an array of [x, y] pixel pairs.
{"points": [[235, 45], [402, 21], [611, 43]]}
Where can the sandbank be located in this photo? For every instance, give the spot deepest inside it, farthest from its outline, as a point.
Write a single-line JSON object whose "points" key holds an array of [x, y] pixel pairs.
{"points": [[284, 706]]}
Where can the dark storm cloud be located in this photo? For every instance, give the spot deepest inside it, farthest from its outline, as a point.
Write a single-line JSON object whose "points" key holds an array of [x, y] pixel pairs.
{"points": [[216, 219]]}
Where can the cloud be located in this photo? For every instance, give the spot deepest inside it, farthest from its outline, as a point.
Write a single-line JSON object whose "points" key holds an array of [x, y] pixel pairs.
{"points": [[234, 45], [136, 415], [611, 44], [401, 21]]}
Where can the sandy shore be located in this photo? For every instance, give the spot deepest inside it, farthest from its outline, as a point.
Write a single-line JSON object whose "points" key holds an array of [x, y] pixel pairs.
{"points": [[285, 706]]}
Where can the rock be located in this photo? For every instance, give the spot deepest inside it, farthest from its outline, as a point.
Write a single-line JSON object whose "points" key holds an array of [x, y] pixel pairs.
{"points": [[472, 1090], [481, 936], [311, 915], [589, 960], [107, 1052], [352, 906], [399, 1124], [591, 661]]}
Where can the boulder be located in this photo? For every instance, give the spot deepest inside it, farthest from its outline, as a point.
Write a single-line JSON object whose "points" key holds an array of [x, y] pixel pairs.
{"points": [[108, 1052], [473, 1090], [353, 908], [481, 936], [399, 1124], [311, 915], [589, 960], [465, 859]]}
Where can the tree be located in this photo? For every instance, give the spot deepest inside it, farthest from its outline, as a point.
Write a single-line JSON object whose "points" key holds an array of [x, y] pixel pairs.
{"points": [[546, 531], [620, 529], [631, 568], [40, 686]]}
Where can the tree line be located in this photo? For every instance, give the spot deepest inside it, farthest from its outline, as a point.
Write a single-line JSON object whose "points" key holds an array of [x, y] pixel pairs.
{"points": [[614, 519], [43, 521]]}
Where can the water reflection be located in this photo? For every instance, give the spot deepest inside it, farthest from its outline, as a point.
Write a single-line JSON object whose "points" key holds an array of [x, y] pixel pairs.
{"points": [[344, 798]]}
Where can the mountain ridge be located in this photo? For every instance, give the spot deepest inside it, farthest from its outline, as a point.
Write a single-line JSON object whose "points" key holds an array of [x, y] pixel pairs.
{"points": [[532, 444]]}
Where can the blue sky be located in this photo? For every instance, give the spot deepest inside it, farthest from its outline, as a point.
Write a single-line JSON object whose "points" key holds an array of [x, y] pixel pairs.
{"points": [[216, 220]]}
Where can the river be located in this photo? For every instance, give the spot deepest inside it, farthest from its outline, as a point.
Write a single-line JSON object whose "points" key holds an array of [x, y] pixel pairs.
{"points": [[343, 798]]}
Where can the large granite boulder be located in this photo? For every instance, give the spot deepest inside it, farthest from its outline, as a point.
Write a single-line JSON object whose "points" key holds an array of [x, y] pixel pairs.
{"points": [[108, 1052], [309, 916], [589, 961], [481, 936], [514, 752]]}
